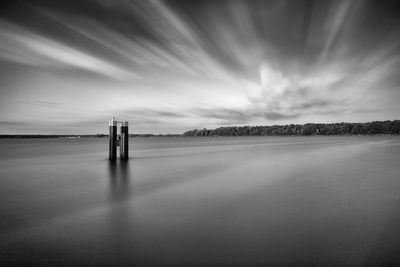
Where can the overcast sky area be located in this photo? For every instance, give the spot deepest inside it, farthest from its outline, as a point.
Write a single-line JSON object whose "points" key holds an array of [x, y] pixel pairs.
{"points": [[67, 67]]}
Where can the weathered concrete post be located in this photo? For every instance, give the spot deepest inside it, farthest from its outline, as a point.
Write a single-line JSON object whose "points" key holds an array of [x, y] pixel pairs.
{"points": [[124, 141], [112, 151], [121, 140]]}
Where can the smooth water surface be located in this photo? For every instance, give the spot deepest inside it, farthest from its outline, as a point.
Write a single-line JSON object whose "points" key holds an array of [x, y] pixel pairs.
{"points": [[277, 201]]}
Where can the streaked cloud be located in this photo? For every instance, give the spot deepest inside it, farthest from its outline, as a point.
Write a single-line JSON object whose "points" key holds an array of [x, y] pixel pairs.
{"points": [[168, 66], [24, 47]]}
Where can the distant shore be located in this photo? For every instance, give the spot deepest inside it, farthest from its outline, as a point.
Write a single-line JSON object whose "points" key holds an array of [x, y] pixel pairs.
{"points": [[42, 136], [341, 128], [73, 136], [379, 128]]}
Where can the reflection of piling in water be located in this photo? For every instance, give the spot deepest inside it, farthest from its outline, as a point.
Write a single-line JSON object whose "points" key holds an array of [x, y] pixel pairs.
{"points": [[119, 179], [116, 140]]}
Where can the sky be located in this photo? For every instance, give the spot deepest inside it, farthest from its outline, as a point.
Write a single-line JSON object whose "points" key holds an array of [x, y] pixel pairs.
{"points": [[68, 67]]}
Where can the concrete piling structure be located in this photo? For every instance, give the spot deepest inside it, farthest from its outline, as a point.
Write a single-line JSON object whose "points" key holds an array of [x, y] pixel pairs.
{"points": [[116, 140], [112, 152], [124, 141]]}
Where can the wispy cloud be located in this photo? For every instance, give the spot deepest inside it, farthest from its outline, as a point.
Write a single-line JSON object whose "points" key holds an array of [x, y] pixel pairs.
{"points": [[171, 65], [24, 47]]}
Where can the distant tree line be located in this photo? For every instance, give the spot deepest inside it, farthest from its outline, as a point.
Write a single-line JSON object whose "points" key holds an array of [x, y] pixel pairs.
{"points": [[343, 128]]}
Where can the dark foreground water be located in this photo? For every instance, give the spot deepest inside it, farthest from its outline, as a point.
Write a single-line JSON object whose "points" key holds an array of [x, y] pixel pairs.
{"points": [[268, 201]]}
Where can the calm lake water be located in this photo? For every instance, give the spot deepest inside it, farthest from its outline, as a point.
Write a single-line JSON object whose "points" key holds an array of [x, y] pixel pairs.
{"points": [[276, 201]]}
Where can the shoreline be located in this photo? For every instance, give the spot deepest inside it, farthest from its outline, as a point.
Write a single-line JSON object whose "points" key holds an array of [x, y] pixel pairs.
{"points": [[34, 136]]}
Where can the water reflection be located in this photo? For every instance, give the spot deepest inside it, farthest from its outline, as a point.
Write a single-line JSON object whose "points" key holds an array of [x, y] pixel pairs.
{"points": [[119, 176]]}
